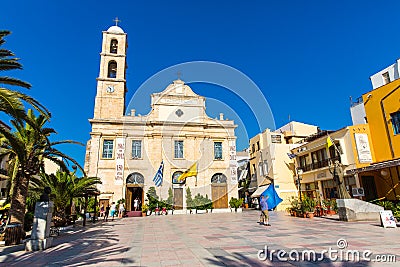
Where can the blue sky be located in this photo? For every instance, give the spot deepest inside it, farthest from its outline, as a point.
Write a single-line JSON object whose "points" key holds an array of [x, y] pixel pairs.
{"points": [[307, 57]]}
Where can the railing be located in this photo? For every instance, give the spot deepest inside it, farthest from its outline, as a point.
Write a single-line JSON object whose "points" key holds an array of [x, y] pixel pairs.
{"points": [[319, 164], [358, 101]]}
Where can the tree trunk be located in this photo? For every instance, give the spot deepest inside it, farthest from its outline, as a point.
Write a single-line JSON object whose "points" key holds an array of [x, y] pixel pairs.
{"points": [[14, 234], [342, 192], [18, 199]]}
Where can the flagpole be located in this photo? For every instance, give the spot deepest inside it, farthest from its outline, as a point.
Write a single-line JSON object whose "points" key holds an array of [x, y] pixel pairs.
{"points": [[163, 177], [334, 145]]}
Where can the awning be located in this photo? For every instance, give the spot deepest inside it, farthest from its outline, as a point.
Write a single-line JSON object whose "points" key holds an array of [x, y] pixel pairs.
{"points": [[376, 166], [259, 191], [266, 181]]}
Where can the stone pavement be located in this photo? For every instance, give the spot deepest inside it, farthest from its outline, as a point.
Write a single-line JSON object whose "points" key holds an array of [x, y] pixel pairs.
{"points": [[227, 239]]}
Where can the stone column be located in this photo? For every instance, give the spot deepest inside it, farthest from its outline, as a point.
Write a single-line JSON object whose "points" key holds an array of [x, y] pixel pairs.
{"points": [[40, 237]]}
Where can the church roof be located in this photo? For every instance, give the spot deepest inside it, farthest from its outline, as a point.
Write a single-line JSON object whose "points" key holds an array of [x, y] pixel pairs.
{"points": [[115, 29]]}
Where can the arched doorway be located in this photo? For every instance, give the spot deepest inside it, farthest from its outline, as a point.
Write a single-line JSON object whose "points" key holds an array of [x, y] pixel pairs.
{"points": [[178, 190], [219, 191], [134, 189]]}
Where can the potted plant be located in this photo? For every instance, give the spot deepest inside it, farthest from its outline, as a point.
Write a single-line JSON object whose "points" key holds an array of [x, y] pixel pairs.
{"points": [[309, 206], [145, 209], [199, 203], [189, 201], [170, 202], [235, 203], [295, 207], [334, 207]]}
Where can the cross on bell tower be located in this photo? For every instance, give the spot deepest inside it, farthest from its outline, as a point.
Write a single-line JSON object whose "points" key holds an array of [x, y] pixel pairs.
{"points": [[116, 20]]}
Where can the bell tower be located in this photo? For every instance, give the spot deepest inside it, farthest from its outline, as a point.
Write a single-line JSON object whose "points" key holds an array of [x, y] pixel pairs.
{"points": [[111, 83]]}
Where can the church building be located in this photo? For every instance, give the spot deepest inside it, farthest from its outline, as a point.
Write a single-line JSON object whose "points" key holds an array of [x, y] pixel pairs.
{"points": [[126, 150]]}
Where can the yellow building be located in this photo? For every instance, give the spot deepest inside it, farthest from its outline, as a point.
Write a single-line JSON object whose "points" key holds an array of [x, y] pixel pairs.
{"points": [[382, 112], [314, 160]]}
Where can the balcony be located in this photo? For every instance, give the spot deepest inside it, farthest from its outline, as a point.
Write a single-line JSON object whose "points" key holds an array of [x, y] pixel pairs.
{"points": [[319, 164]]}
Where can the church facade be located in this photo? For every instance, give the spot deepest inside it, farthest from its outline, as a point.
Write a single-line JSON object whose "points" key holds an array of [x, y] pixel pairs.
{"points": [[126, 150]]}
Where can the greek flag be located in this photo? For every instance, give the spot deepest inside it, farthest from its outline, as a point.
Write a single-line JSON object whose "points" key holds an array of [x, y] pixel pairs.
{"points": [[159, 175]]}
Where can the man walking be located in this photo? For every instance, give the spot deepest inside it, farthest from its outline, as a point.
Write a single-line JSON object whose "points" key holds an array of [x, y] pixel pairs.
{"points": [[264, 211]]}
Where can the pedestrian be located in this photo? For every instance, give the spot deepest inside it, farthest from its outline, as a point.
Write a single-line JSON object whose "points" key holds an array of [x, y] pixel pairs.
{"points": [[107, 212], [113, 210], [121, 210], [102, 210], [136, 203], [264, 211]]}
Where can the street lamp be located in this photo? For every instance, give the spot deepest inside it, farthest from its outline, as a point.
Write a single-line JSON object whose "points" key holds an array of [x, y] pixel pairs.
{"points": [[299, 173]]}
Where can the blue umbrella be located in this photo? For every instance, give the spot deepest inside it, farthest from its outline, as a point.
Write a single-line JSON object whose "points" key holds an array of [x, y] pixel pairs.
{"points": [[273, 199]]}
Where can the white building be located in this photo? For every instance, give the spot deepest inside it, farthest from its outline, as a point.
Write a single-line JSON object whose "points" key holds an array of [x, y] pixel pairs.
{"points": [[125, 151]]}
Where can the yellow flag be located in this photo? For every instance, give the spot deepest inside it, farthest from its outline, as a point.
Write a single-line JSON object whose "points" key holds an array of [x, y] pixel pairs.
{"points": [[192, 171], [329, 141]]}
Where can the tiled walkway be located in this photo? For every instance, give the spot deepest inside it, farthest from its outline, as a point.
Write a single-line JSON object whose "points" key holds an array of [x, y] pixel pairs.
{"points": [[231, 239]]}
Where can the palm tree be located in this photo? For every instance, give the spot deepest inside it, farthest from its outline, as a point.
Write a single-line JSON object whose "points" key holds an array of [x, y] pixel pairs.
{"points": [[11, 101], [64, 187], [27, 148]]}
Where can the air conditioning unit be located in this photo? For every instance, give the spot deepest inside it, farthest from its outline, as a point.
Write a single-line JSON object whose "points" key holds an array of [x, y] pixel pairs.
{"points": [[358, 192]]}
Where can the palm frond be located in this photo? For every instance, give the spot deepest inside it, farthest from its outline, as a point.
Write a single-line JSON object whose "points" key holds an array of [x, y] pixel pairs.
{"points": [[6, 53], [4, 33], [9, 64], [14, 82], [67, 142]]}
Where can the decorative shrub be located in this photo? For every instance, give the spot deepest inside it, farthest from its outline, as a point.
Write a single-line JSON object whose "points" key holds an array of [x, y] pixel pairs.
{"points": [[153, 198], [235, 203], [308, 204], [189, 200], [201, 203]]}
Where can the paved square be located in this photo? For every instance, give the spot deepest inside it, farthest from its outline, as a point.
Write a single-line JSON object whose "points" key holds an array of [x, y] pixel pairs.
{"points": [[231, 239]]}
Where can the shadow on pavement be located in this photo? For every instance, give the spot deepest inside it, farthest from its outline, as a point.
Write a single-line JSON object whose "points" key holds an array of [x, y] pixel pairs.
{"points": [[79, 247]]}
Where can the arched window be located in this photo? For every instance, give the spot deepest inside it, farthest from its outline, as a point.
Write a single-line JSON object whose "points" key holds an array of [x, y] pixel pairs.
{"points": [[112, 69], [218, 178], [175, 178], [114, 46], [135, 178]]}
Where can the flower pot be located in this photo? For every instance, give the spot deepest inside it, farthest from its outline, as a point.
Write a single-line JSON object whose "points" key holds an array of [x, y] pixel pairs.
{"points": [[144, 214], [310, 215]]}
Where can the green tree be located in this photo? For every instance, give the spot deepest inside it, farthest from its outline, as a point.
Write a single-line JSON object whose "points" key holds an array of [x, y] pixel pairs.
{"points": [[170, 199], [153, 198], [11, 101], [26, 148], [64, 187], [189, 199]]}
